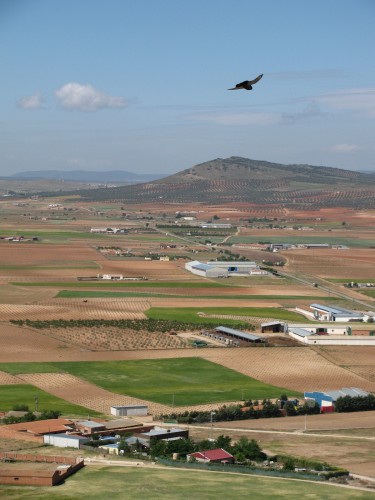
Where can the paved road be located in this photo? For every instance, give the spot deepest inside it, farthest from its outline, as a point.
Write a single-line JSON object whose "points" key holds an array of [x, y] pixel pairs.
{"points": [[326, 288]]}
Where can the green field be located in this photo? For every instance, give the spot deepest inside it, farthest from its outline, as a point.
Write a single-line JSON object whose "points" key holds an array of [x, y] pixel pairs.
{"points": [[87, 294], [48, 235], [349, 241], [128, 483], [184, 381], [14, 394], [190, 314]]}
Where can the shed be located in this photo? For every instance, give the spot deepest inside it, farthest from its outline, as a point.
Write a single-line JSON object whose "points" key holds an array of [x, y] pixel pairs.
{"points": [[273, 326], [237, 334], [65, 440], [129, 410]]}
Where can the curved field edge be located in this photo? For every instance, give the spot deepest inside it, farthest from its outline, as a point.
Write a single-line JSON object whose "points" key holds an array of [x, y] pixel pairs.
{"points": [[92, 483], [175, 381], [26, 394]]}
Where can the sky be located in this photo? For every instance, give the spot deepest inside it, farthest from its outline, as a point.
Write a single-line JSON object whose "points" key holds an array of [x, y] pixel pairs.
{"points": [[142, 86]]}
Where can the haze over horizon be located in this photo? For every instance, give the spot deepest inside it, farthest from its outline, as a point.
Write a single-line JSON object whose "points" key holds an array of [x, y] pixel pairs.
{"points": [[115, 85]]}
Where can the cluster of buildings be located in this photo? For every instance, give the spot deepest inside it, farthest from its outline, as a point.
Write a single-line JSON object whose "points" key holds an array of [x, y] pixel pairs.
{"points": [[277, 247]]}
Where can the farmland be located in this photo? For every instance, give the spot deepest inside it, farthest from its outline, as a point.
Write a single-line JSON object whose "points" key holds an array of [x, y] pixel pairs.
{"points": [[189, 381], [78, 365], [11, 395]]}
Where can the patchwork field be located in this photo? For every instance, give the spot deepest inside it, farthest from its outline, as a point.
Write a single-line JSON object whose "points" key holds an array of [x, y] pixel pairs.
{"points": [[183, 382], [38, 280]]}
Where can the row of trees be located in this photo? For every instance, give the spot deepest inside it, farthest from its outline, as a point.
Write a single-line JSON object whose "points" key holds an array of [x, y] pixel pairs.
{"points": [[247, 410], [149, 325], [359, 403], [30, 416]]}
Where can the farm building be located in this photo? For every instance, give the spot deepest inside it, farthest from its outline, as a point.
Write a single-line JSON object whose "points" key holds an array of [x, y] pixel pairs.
{"points": [[307, 337], [132, 442], [218, 269], [89, 427], [324, 328], [129, 410], [273, 326], [230, 333], [327, 399], [214, 225], [218, 455], [161, 433], [65, 440], [329, 313], [35, 430], [300, 334], [37, 470], [205, 270]]}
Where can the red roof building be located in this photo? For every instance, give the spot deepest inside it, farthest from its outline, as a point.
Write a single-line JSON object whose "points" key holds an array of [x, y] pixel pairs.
{"points": [[216, 456]]}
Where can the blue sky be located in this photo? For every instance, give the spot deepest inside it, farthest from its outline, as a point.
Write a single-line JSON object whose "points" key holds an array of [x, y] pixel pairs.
{"points": [[142, 86]]}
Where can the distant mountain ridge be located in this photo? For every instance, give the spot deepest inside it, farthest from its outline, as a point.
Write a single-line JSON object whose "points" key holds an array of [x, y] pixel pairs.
{"points": [[85, 176], [242, 180]]}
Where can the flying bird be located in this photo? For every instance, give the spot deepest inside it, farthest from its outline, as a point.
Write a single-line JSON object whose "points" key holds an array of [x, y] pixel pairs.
{"points": [[247, 84]]}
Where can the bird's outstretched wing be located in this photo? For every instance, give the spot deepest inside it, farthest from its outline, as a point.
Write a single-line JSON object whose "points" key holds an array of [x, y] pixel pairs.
{"points": [[251, 82]]}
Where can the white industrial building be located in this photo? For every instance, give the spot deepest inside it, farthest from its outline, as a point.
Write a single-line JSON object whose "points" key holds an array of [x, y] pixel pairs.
{"points": [[65, 440], [129, 410], [331, 313], [307, 337], [223, 269]]}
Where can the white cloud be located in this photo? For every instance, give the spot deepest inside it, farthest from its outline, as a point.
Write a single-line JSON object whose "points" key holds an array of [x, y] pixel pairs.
{"points": [[74, 96], [361, 101], [34, 101], [238, 118], [344, 148]]}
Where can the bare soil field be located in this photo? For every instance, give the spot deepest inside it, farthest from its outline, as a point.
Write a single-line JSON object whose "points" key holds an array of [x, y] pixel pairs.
{"points": [[314, 423], [76, 309], [287, 436], [355, 263], [357, 359]]}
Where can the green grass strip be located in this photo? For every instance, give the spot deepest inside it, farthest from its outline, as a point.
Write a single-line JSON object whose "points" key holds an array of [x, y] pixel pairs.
{"points": [[190, 314], [14, 394]]}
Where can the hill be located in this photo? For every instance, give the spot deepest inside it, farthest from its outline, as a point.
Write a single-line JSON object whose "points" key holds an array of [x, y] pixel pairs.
{"points": [[242, 180]]}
